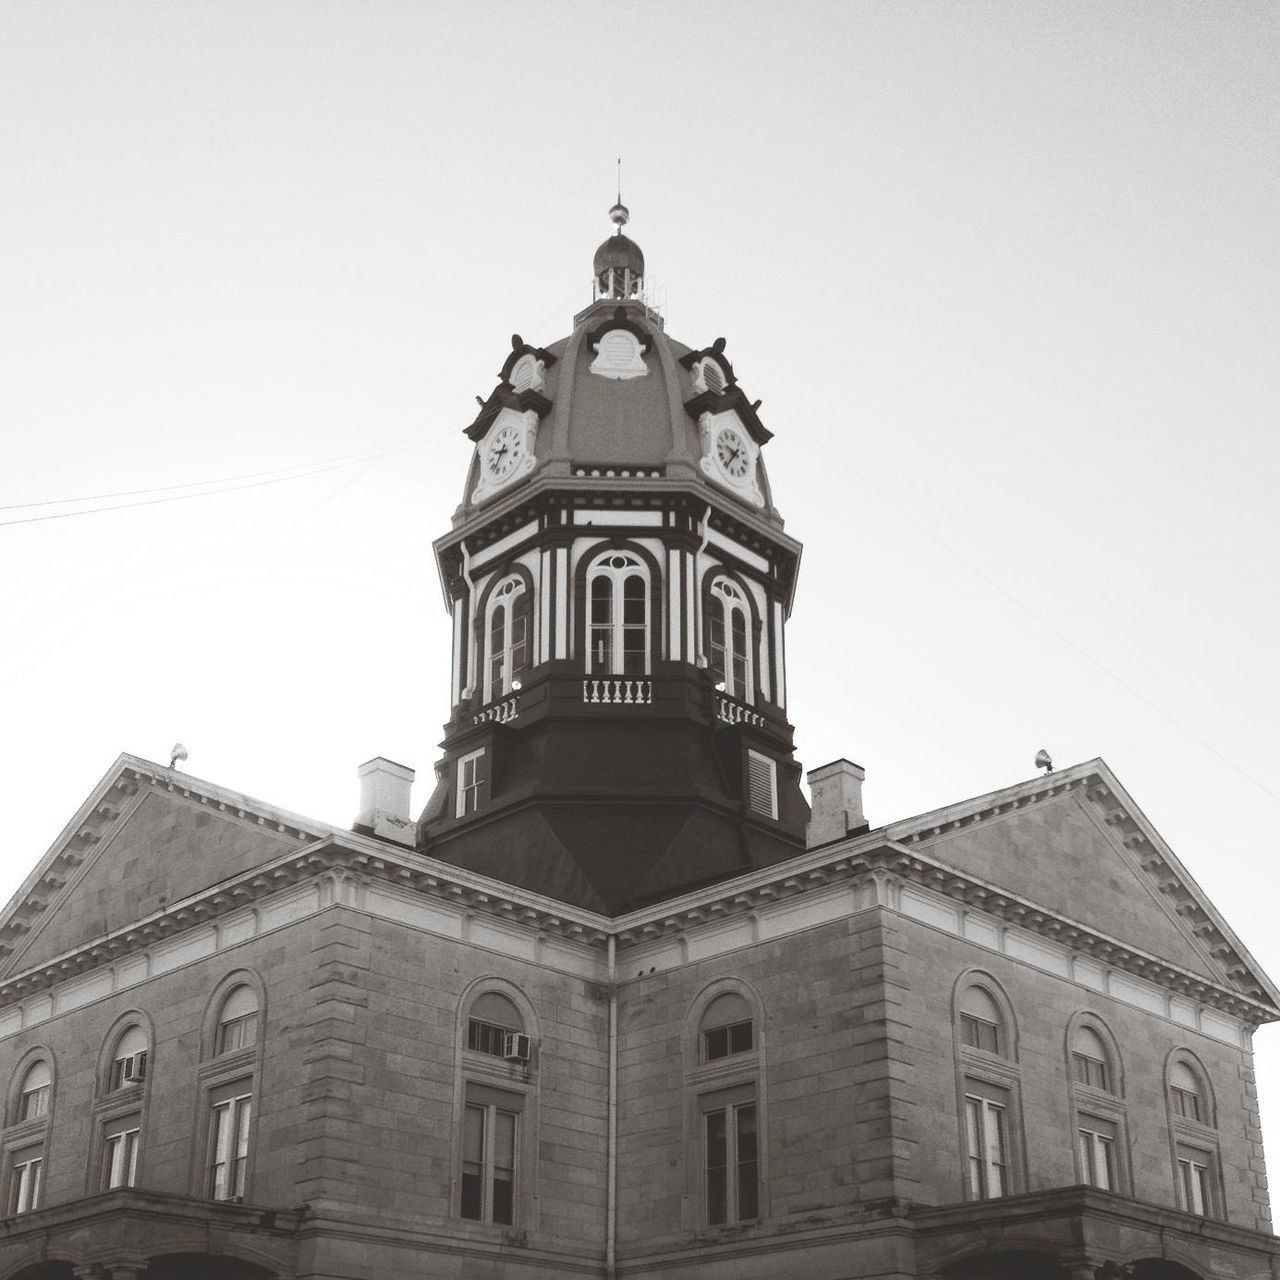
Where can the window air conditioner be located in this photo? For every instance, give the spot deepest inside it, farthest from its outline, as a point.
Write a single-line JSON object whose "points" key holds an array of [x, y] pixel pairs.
{"points": [[134, 1069], [515, 1046]]}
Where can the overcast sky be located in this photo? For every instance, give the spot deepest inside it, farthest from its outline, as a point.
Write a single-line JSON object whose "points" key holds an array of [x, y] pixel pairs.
{"points": [[1004, 276]]}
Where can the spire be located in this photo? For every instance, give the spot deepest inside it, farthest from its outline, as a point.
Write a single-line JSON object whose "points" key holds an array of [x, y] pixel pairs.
{"points": [[619, 215]]}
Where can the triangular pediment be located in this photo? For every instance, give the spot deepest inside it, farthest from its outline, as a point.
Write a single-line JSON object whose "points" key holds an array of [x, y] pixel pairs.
{"points": [[1075, 844], [147, 837]]}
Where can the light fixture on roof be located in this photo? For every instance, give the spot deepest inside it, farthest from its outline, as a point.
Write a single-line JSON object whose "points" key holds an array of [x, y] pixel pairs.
{"points": [[1044, 761], [177, 755]]}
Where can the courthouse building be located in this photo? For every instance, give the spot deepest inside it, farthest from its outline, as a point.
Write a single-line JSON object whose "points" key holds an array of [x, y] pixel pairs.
{"points": [[616, 1002]]}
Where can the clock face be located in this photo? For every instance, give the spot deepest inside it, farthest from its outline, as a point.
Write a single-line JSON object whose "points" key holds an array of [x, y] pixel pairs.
{"points": [[733, 454], [503, 452]]}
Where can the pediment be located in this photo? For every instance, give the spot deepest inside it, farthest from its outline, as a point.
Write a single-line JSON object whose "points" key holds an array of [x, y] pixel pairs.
{"points": [[1075, 844], [147, 836]]}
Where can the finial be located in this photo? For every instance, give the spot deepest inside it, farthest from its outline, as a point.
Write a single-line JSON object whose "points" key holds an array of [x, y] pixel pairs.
{"points": [[619, 215]]}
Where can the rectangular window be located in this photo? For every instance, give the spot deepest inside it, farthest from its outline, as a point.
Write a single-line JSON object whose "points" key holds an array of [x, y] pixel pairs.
{"points": [[731, 1156], [229, 1141], [34, 1103], [490, 1143], [469, 780], [26, 1179], [1090, 1071], [986, 1141], [721, 1042], [978, 1033], [120, 1152], [237, 1033], [1185, 1103], [762, 784], [487, 1037], [1194, 1182], [1096, 1140]]}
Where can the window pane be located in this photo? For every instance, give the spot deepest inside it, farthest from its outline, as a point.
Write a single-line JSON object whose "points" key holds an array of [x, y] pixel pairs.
{"points": [[740, 1038], [717, 1168], [717, 1043], [748, 1182], [601, 601], [519, 649], [472, 1162], [973, 1130], [497, 647], [995, 1149], [504, 1159]]}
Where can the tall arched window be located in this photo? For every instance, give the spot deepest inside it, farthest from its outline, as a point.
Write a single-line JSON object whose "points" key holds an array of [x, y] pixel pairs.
{"points": [[508, 616], [230, 1078], [729, 639], [723, 1072], [118, 1111], [988, 1085], [1094, 1072], [618, 615], [497, 1148], [26, 1134], [1197, 1172]]}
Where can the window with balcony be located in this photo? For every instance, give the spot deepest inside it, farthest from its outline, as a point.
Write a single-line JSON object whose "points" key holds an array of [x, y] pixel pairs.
{"points": [[508, 636], [729, 639], [618, 615]]}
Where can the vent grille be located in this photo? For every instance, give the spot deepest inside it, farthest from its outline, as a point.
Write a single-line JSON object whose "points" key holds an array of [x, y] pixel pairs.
{"points": [[762, 784]]}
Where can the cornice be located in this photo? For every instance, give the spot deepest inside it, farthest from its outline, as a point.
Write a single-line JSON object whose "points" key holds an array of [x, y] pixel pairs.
{"points": [[873, 867]]}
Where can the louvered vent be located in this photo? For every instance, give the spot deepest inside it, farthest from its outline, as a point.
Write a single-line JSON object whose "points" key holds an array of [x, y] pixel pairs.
{"points": [[762, 784], [712, 377]]}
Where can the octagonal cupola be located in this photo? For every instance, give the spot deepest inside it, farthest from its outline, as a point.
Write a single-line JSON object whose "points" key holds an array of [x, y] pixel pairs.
{"points": [[619, 583], [618, 265]]}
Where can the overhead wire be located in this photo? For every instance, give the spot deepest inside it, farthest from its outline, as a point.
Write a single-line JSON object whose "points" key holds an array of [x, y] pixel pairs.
{"points": [[910, 517]]}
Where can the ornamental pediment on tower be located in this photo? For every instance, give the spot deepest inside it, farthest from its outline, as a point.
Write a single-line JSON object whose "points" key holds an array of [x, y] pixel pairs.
{"points": [[716, 390], [620, 346], [520, 386]]}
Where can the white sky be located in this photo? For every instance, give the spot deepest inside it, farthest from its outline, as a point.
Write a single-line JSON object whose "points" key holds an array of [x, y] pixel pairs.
{"points": [[1003, 274]]}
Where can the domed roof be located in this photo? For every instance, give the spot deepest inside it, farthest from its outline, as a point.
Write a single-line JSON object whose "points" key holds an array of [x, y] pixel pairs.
{"points": [[621, 253]]}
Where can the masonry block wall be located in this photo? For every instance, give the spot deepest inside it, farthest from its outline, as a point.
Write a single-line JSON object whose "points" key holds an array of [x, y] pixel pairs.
{"points": [[357, 1097], [1043, 1005]]}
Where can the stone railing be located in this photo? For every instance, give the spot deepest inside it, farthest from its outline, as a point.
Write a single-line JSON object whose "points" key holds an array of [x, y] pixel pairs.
{"points": [[499, 712], [625, 692], [733, 712]]}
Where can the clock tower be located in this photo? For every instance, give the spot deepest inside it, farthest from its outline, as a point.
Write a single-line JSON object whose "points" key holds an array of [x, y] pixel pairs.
{"points": [[619, 583]]}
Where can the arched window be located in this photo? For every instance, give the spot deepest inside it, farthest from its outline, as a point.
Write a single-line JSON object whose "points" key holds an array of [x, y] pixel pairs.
{"points": [[25, 1138], [723, 1071], [237, 1021], [36, 1091], [230, 1078], [1186, 1093], [727, 1027], [988, 1087], [618, 615], [507, 625], [1196, 1166], [497, 1150], [129, 1059], [1094, 1072], [729, 634], [981, 1022]]}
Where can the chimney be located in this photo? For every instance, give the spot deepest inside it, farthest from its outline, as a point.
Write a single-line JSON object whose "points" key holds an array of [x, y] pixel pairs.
{"points": [[384, 800], [836, 792]]}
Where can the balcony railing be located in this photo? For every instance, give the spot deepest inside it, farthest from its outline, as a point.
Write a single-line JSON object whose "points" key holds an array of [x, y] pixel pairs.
{"points": [[499, 712], [733, 712], [624, 692]]}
